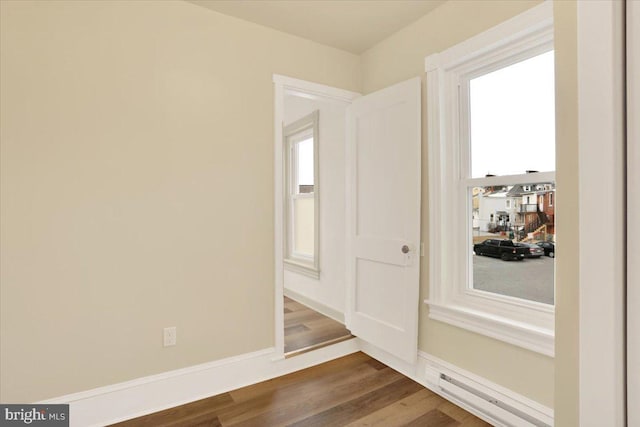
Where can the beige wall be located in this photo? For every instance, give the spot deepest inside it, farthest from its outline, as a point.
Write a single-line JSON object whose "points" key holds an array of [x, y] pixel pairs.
{"points": [[132, 135], [400, 57], [567, 215]]}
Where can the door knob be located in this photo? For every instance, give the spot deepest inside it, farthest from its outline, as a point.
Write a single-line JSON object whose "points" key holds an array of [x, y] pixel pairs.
{"points": [[405, 249]]}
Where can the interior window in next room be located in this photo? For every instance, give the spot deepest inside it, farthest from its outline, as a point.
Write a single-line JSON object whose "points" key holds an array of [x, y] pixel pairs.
{"points": [[301, 181]]}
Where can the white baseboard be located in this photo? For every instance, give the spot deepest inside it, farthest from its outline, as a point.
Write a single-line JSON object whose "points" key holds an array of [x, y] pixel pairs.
{"points": [[320, 308], [491, 402], [131, 399]]}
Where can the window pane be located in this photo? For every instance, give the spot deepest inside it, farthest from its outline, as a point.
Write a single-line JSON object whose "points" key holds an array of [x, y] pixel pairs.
{"points": [[512, 119], [522, 223], [302, 203], [303, 231], [305, 166]]}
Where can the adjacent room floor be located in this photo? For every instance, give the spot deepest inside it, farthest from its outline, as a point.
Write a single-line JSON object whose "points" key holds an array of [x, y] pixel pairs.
{"points": [[306, 329], [354, 390]]}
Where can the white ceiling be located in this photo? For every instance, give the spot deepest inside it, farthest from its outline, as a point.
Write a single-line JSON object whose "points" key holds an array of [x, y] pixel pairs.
{"points": [[351, 25]]}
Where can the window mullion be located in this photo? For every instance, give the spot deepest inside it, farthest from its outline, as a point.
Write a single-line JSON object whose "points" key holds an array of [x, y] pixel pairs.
{"points": [[526, 178]]}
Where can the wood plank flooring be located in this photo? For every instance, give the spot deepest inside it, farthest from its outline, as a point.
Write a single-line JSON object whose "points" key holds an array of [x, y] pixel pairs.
{"points": [[355, 390], [306, 329]]}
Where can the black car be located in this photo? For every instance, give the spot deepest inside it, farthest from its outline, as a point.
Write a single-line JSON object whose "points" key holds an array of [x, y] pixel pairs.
{"points": [[549, 248], [535, 251], [504, 249]]}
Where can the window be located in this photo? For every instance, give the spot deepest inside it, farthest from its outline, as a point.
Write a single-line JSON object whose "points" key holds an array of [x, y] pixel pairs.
{"points": [[492, 140], [301, 180]]}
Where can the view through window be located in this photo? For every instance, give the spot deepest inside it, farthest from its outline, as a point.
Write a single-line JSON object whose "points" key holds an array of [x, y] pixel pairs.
{"points": [[302, 192], [512, 141]]}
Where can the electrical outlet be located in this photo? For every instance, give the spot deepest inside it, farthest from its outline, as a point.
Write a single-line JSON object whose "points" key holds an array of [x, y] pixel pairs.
{"points": [[170, 336]]}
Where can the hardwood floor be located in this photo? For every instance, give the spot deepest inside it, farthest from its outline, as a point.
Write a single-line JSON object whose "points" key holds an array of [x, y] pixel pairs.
{"points": [[355, 390], [306, 329]]}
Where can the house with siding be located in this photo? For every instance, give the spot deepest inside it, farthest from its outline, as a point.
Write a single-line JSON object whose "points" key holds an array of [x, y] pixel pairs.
{"points": [[536, 212]]}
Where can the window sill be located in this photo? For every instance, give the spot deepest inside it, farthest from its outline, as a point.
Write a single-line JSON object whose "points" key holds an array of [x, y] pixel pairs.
{"points": [[301, 268], [523, 335]]}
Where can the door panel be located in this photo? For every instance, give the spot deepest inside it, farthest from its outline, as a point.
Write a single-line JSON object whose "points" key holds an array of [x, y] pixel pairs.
{"points": [[374, 288], [383, 218], [378, 195]]}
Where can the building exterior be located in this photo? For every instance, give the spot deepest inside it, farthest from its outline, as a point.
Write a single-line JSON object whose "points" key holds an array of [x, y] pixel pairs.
{"points": [[497, 210], [527, 210], [536, 214]]}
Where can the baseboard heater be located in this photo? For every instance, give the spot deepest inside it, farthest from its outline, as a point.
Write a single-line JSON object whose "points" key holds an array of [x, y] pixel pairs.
{"points": [[498, 411]]}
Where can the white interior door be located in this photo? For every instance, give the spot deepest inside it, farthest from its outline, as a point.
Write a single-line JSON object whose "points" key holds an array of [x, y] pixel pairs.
{"points": [[383, 218]]}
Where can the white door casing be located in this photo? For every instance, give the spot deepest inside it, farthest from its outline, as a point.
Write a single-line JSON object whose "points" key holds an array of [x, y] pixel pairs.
{"points": [[601, 160], [633, 213], [383, 218]]}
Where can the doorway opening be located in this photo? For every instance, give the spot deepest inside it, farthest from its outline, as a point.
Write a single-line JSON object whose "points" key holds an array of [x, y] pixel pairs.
{"points": [[310, 236], [305, 329]]}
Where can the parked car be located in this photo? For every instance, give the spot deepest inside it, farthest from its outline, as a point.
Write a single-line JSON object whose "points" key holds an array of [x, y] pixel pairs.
{"points": [[535, 251], [549, 248], [504, 249]]}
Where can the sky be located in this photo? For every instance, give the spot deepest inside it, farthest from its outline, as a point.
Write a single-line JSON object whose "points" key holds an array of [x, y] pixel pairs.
{"points": [[513, 119], [305, 162]]}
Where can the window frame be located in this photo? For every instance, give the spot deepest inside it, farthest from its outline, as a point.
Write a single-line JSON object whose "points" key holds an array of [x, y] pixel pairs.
{"points": [[292, 134], [523, 323]]}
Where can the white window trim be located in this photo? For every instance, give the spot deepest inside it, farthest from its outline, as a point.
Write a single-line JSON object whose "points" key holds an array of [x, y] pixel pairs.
{"points": [[633, 212], [523, 323], [297, 261]]}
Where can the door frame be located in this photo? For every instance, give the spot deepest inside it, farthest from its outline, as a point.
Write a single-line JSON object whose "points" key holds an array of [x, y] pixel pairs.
{"points": [[601, 324], [283, 86], [633, 212]]}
